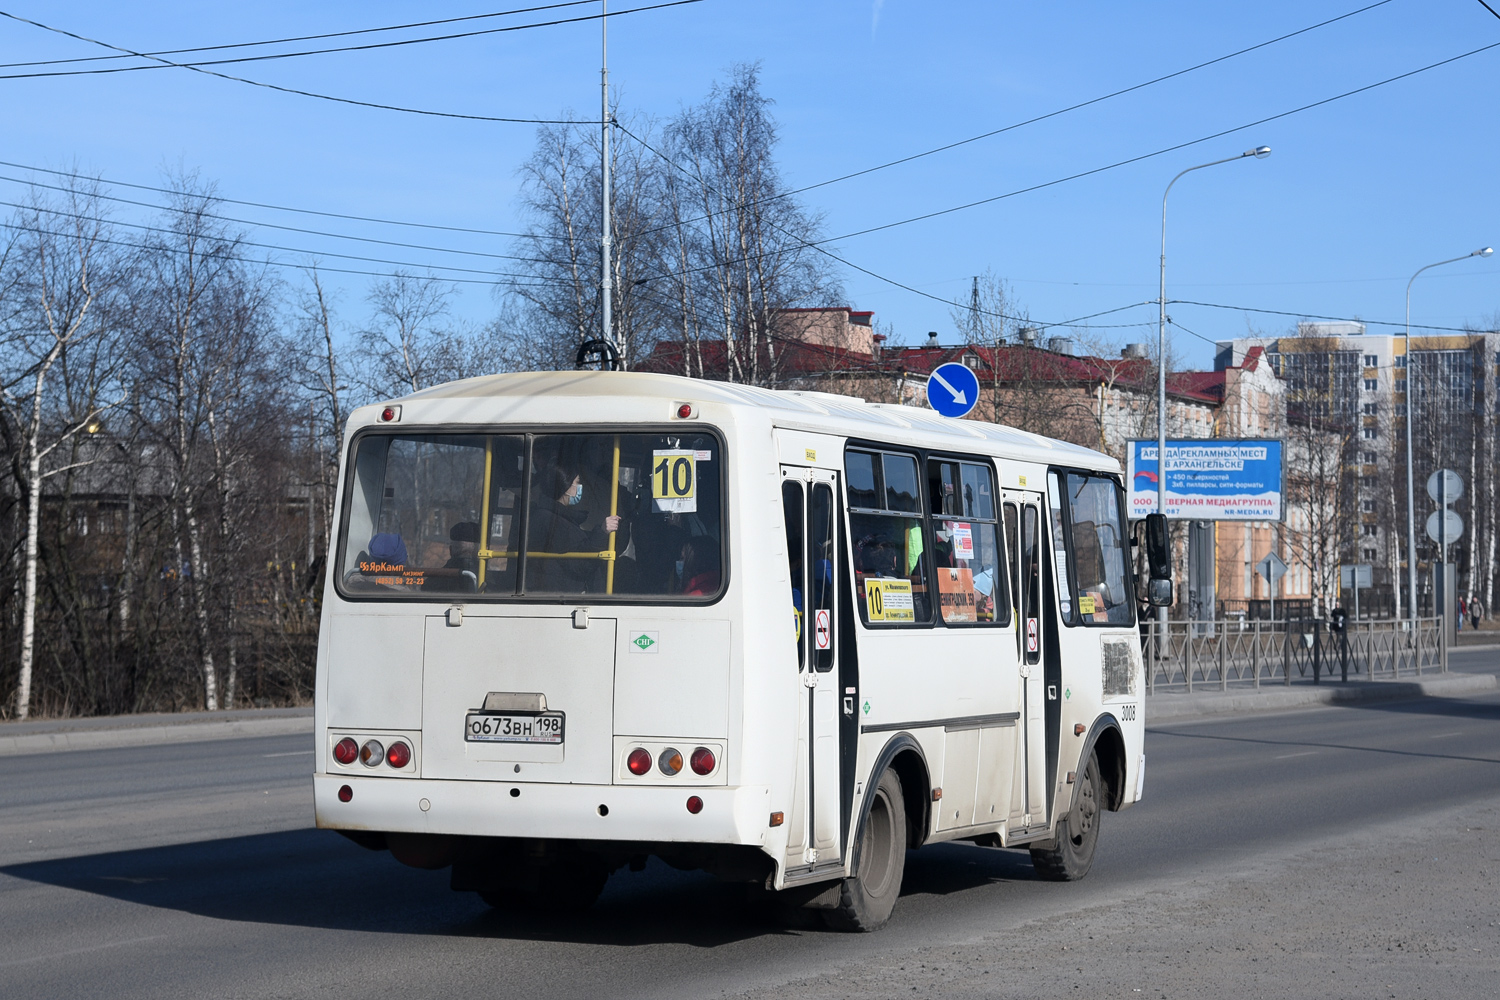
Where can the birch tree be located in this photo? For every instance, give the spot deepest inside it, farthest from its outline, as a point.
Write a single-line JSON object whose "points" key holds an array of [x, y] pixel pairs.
{"points": [[52, 272]]}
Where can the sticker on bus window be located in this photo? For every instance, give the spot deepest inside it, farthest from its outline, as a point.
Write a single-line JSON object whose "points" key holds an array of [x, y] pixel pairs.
{"points": [[1085, 604], [956, 595], [674, 479], [962, 536], [889, 601]]}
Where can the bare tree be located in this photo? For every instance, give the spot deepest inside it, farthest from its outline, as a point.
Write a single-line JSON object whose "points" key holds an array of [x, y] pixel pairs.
{"points": [[51, 275]]}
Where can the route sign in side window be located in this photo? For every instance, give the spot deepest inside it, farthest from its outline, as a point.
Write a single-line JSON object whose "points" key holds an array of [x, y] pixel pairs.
{"points": [[1096, 536], [889, 539], [967, 552]]}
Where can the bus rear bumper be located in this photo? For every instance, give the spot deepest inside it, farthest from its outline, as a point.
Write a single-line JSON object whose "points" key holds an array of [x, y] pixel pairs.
{"points": [[737, 815]]}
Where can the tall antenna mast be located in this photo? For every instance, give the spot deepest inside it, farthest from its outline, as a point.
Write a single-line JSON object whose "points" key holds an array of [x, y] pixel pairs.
{"points": [[975, 324], [606, 289]]}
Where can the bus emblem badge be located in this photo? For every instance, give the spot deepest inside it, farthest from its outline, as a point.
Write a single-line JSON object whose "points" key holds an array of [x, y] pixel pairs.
{"points": [[644, 642]]}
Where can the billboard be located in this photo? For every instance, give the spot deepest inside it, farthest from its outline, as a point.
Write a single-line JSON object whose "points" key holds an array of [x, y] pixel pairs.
{"points": [[1209, 480]]}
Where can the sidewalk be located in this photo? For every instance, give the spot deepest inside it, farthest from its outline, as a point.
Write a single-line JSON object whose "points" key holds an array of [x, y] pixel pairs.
{"points": [[1209, 700], [98, 733]]}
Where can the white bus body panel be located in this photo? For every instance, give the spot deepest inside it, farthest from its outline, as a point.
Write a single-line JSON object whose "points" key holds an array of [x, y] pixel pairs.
{"points": [[724, 672]]}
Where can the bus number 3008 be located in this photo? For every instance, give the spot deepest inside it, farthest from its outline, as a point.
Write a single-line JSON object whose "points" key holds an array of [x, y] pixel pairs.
{"points": [[1127, 713]]}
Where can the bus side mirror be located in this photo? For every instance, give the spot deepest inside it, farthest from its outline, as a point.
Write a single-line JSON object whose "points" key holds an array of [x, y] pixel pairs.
{"points": [[1158, 550], [1159, 593]]}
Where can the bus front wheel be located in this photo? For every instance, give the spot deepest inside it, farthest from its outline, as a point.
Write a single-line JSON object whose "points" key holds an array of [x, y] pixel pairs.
{"points": [[867, 898], [1069, 857]]}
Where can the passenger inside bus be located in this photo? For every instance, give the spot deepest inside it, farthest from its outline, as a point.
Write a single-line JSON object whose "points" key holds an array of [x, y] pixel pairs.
{"points": [[698, 567], [556, 526]]}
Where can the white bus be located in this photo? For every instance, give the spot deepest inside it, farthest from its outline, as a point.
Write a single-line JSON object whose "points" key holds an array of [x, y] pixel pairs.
{"points": [[576, 620]]}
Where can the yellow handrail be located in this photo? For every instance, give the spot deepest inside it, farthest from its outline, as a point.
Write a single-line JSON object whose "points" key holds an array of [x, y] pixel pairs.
{"points": [[503, 554], [484, 513], [614, 504]]}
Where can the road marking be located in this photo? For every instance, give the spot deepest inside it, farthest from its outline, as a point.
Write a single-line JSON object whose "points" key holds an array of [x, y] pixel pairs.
{"points": [[1438, 736], [1305, 753], [290, 753], [78, 951]]}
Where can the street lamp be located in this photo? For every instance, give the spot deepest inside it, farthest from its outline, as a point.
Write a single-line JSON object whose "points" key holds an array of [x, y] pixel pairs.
{"points": [[1259, 153], [1411, 499]]}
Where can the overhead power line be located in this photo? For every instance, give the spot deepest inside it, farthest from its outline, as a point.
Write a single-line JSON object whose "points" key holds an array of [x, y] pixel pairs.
{"points": [[1167, 149], [159, 63], [328, 97], [263, 246], [1060, 111], [814, 245], [300, 38], [258, 224], [1302, 315], [312, 265], [266, 205]]}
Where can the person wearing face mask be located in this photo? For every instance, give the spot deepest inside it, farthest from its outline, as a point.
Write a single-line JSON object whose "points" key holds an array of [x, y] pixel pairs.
{"points": [[556, 523]]}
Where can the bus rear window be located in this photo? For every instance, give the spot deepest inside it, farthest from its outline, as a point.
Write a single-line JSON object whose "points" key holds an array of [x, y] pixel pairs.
{"points": [[509, 515]]}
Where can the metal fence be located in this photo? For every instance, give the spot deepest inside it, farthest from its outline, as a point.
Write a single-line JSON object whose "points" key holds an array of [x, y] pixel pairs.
{"points": [[1244, 654]]}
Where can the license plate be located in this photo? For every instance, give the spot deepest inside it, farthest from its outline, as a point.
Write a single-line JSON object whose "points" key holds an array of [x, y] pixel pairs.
{"points": [[514, 727]]}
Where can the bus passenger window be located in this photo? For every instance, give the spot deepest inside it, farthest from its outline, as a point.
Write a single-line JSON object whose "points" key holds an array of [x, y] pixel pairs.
{"points": [[791, 508], [1097, 539], [888, 538], [966, 546]]}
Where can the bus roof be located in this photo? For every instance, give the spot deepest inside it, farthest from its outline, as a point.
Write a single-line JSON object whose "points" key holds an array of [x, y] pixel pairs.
{"points": [[821, 412]]}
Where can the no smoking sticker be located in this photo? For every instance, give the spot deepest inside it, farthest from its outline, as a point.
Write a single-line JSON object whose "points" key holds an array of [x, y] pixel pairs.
{"points": [[823, 629], [1031, 644]]}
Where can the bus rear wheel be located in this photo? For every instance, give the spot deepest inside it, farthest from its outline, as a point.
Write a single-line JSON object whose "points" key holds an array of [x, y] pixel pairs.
{"points": [[867, 898], [1069, 857]]}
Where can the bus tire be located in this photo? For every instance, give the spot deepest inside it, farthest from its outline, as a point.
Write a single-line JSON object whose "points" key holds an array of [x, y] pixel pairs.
{"points": [[867, 898], [1068, 857]]}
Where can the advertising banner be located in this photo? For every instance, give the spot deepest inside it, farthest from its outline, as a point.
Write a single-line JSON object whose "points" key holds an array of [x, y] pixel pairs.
{"points": [[1209, 480]]}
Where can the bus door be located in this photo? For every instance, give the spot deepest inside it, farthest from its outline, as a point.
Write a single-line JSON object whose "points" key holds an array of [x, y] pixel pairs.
{"points": [[809, 504], [1025, 535]]}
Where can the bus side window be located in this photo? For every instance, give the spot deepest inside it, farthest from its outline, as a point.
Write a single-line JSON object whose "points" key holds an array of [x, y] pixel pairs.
{"points": [[1013, 540], [791, 506], [820, 570], [888, 538], [966, 549]]}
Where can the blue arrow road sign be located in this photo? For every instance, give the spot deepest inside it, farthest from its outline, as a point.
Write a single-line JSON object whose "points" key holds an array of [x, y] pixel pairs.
{"points": [[952, 390]]}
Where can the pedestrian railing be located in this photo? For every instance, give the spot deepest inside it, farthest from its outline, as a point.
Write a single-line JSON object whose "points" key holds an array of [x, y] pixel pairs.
{"points": [[1191, 655]]}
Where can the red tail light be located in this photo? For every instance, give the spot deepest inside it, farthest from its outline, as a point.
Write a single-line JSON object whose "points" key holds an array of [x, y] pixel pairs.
{"points": [[399, 755], [695, 805], [703, 761], [639, 760], [372, 753], [345, 793], [346, 751]]}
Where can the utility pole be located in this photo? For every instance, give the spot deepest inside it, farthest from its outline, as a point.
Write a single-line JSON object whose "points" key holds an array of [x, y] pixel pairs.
{"points": [[606, 285], [975, 326]]}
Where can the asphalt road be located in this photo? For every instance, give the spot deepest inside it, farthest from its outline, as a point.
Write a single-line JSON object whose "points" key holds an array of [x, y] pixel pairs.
{"points": [[189, 870]]}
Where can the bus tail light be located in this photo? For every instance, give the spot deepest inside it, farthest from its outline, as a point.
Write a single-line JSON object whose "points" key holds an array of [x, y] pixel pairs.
{"points": [[670, 761], [372, 753], [345, 793], [694, 804], [639, 761], [399, 755], [703, 761], [346, 751]]}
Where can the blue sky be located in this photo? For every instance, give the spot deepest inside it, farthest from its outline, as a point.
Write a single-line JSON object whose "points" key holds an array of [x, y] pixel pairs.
{"points": [[1358, 194]]}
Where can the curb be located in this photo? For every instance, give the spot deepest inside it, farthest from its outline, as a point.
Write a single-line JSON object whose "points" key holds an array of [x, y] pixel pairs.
{"points": [[123, 731], [1164, 707]]}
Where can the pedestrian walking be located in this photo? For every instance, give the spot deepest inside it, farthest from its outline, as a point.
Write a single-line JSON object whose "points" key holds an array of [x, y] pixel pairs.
{"points": [[1476, 611], [1462, 612]]}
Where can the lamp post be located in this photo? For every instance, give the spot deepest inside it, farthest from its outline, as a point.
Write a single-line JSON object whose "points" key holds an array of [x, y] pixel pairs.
{"points": [[1411, 498], [1259, 153]]}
